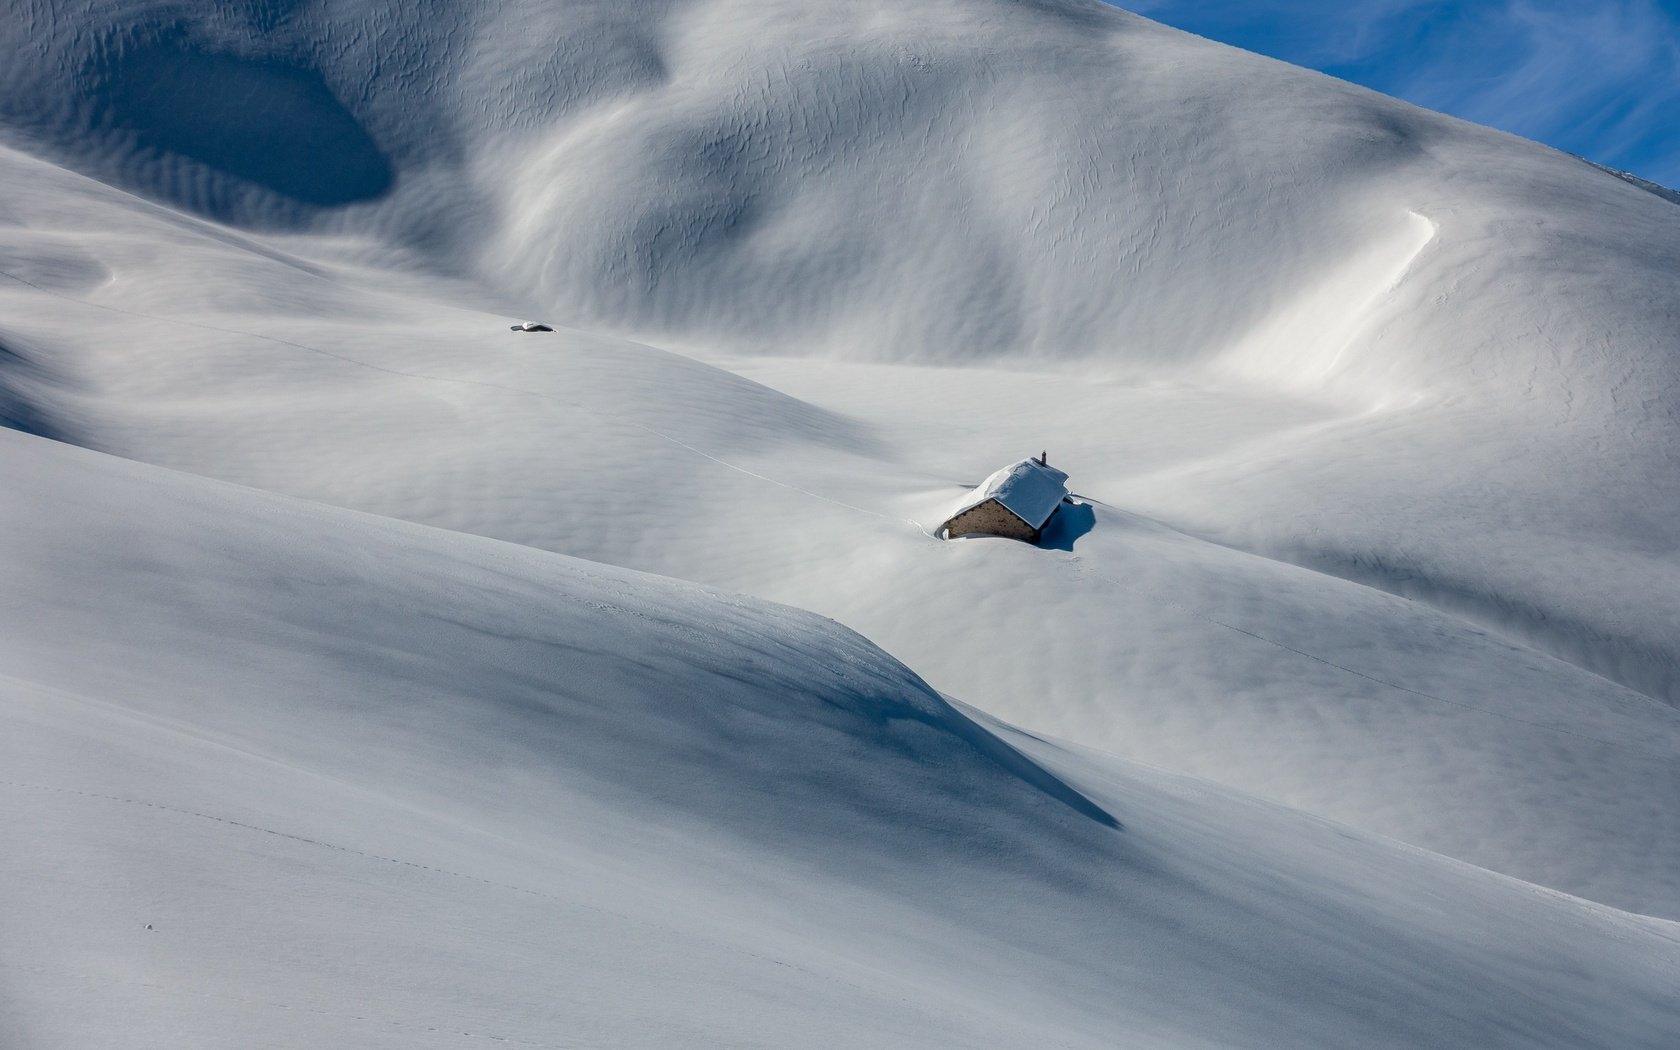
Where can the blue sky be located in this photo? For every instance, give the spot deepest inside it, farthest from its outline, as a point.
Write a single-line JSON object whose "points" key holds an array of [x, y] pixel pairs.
{"points": [[1600, 78]]}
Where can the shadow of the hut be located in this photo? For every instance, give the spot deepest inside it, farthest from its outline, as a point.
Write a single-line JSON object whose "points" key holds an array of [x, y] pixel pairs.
{"points": [[1071, 521]]}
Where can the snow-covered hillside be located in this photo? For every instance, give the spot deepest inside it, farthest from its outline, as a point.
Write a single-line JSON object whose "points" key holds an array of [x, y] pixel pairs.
{"points": [[1372, 415], [291, 776]]}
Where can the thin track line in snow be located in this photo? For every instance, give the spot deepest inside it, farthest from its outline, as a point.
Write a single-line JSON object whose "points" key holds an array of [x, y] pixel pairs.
{"points": [[284, 835], [646, 925], [420, 1028]]}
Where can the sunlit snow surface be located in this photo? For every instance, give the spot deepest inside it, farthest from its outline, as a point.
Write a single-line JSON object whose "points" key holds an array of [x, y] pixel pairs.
{"points": [[1370, 417]]}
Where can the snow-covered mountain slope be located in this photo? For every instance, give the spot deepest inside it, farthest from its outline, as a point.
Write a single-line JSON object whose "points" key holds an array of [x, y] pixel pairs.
{"points": [[1373, 414], [962, 180], [986, 180], [288, 775], [322, 367]]}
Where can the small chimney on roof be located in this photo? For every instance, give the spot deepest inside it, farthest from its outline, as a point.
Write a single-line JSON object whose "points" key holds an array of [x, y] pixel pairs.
{"points": [[1044, 459]]}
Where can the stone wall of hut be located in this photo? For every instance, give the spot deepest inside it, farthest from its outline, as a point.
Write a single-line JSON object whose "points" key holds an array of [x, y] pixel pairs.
{"points": [[991, 519]]}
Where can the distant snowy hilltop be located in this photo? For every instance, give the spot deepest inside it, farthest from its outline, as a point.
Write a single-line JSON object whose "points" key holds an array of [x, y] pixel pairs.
{"points": [[949, 181], [372, 674]]}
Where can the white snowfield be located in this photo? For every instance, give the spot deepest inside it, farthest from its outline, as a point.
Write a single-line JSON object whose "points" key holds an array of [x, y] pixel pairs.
{"points": [[287, 775], [1361, 643]]}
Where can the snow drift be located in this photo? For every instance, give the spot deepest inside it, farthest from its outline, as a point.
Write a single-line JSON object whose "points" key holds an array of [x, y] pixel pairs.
{"points": [[290, 775], [1274, 312]]}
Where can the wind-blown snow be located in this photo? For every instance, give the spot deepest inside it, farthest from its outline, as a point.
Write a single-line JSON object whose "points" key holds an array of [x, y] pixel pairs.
{"points": [[1371, 414], [294, 776]]}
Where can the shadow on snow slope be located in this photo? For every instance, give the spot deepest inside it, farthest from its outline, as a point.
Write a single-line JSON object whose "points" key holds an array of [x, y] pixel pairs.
{"points": [[373, 773]]}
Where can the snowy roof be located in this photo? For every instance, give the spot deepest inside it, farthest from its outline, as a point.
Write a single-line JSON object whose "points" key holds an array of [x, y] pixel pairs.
{"points": [[1029, 489]]}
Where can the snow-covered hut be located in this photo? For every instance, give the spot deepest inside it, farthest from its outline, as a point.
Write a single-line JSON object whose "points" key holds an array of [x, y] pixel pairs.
{"points": [[1016, 502]]}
